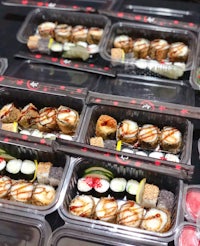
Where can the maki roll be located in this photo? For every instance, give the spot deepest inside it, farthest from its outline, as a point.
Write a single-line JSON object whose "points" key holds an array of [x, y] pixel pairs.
{"points": [[141, 153], [28, 169], [158, 49], [141, 48], [130, 214], [13, 168], [178, 52], [106, 209], [101, 187], [2, 166], [56, 48], [172, 157], [94, 35], [171, 139], [156, 220], [62, 33], [47, 119], [46, 29], [124, 42], [150, 195], [82, 206], [21, 191], [85, 185], [148, 136], [118, 187], [5, 185], [106, 127], [67, 119], [166, 200], [127, 131], [29, 116], [43, 195], [9, 113], [43, 171], [79, 33], [131, 189]]}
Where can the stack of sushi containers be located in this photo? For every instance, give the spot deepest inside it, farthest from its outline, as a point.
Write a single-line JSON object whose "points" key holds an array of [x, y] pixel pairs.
{"points": [[113, 167]]}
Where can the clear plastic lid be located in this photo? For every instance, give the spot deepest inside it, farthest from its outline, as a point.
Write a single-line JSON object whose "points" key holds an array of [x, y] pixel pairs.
{"points": [[16, 229]]}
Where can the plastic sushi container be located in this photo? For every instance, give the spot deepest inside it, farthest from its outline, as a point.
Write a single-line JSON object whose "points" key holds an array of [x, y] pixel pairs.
{"points": [[191, 203], [116, 231], [16, 229], [187, 233], [141, 117], [162, 68], [18, 174], [42, 96], [39, 16]]}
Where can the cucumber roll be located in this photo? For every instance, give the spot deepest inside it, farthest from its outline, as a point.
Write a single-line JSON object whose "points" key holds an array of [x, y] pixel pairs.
{"points": [[2, 166], [56, 49], [117, 187], [131, 189], [28, 169], [13, 168]]}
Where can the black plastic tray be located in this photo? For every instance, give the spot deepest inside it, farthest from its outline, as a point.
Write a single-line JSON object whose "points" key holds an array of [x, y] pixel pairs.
{"points": [[72, 5]]}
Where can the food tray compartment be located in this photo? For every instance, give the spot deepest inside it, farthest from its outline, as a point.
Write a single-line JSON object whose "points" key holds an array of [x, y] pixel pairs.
{"points": [[43, 175], [54, 75], [149, 32], [120, 231], [20, 98], [141, 117]]}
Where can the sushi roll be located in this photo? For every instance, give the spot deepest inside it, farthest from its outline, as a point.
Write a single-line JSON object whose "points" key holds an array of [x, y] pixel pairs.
{"points": [[43, 171], [106, 127], [106, 209], [148, 136], [166, 200], [5, 185], [47, 119], [2, 166], [28, 169], [9, 113], [67, 119], [56, 48], [150, 196], [46, 29], [158, 49], [62, 33], [130, 214], [21, 191], [13, 168], [171, 139], [124, 42], [55, 175], [141, 153], [33, 42], [83, 206], [157, 155], [127, 131], [79, 33], [178, 52], [131, 189], [156, 220], [85, 185], [29, 116], [101, 187], [94, 35], [43, 195], [141, 48], [118, 187]]}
